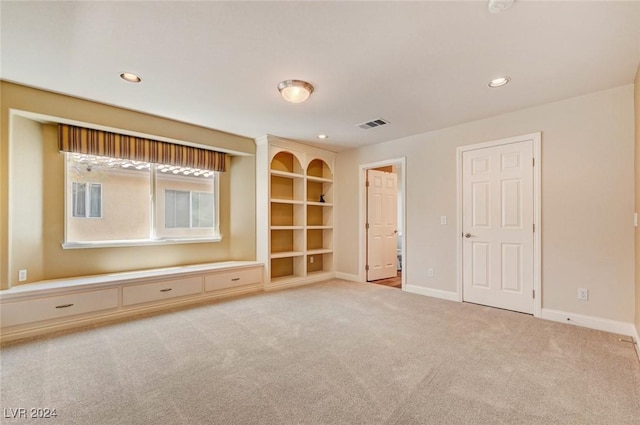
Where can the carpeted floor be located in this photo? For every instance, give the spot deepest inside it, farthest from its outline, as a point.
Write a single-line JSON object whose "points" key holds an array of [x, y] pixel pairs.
{"points": [[330, 353]]}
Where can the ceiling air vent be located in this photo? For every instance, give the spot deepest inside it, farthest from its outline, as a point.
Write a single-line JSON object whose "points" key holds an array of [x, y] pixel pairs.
{"points": [[372, 124]]}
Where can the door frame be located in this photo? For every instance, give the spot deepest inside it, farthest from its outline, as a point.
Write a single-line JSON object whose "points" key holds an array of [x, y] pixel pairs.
{"points": [[536, 138], [362, 248]]}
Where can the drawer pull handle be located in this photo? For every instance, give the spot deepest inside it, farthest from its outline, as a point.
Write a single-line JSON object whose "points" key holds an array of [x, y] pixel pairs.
{"points": [[165, 290], [64, 305], [235, 279]]}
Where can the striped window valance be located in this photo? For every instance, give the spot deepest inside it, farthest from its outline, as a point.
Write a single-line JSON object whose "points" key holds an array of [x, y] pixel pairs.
{"points": [[104, 143]]}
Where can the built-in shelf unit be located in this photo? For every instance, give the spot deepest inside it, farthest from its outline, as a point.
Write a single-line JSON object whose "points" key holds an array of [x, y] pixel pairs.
{"points": [[295, 188]]}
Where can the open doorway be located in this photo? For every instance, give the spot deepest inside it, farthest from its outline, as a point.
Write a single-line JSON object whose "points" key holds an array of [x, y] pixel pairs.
{"points": [[382, 213]]}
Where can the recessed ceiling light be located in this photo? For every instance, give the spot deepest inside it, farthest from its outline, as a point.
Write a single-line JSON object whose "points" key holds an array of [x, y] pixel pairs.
{"points": [[130, 77], [322, 136], [295, 91], [499, 82]]}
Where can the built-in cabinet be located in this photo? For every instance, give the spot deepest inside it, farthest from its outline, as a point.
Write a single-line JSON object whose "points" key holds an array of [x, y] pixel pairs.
{"points": [[295, 186], [38, 308]]}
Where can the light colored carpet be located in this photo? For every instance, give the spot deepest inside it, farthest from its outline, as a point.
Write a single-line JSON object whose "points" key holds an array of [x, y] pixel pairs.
{"points": [[331, 353]]}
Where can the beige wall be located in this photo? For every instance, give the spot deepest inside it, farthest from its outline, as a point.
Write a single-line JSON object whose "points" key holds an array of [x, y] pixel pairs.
{"points": [[20, 248], [27, 198], [587, 200], [637, 182]]}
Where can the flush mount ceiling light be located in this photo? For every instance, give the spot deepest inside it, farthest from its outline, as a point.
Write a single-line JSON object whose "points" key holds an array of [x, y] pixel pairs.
{"points": [[499, 82], [497, 6], [130, 77], [295, 91], [322, 136]]}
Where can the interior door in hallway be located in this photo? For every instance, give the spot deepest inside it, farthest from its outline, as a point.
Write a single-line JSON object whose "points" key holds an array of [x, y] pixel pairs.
{"points": [[382, 222], [497, 224]]}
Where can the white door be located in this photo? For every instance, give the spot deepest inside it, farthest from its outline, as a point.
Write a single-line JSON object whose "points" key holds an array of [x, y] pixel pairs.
{"points": [[497, 224], [382, 219]]}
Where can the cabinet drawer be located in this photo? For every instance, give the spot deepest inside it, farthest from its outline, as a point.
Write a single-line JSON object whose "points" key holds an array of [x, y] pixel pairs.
{"points": [[233, 278], [21, 312], [161, 290]]}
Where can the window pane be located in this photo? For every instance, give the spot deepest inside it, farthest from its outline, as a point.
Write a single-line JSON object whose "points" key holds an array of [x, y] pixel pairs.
{"points": [[202, 209], [170, 208], [185, 203], [182, 209], [176, 209], [108, 200], [111, 199], [95, 207], [79, 199]]}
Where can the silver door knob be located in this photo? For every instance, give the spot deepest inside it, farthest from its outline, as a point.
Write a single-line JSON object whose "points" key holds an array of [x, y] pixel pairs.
{"points": [[467, 235]]}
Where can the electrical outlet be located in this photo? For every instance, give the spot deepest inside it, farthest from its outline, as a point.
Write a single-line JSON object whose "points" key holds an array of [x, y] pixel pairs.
{"points": [[311, 259], [22, 275], [430, 272], [443, 219], [583, 294]]}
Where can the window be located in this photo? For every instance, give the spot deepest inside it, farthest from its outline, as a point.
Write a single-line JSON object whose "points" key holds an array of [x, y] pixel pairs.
{"points": [[87, 199], [133, 202], [185, 209]]}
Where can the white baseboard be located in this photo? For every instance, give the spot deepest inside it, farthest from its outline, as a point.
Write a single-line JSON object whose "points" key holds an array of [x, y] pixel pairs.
{"points": [[348, 276], [607, 325], [636, 340], [430, 292]]}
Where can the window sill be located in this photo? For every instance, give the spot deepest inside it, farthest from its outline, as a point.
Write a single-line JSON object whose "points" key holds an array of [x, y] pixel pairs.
{"points": [[138, 242]]}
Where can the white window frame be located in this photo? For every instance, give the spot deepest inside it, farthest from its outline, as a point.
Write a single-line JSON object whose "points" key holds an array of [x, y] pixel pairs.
{"points": [[152, 240]]}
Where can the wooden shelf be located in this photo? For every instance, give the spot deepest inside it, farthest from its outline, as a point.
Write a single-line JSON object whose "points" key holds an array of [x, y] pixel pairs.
{"points": [[300, 228], [319, 251], [287, 201], [287, 254], [319, 179], [286, 174]]}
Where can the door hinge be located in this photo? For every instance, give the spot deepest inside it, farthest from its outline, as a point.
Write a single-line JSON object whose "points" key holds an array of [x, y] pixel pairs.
{"points": [[366, 183], [534, 293], [534, 227], [534, 161], [367, 267], [366, 226]]}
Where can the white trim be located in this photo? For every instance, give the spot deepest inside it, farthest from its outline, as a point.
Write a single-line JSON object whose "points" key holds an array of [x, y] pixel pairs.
{"points": [[348, 276], [362, 261], [431, 292], [537, 211], [607, 325], [137, 242]]}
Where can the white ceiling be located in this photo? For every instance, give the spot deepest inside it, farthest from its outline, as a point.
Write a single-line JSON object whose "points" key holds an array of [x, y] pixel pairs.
{"points": [[420, 65]]}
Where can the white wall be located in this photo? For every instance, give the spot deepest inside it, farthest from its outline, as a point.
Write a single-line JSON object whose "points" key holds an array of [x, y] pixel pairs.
{"points": [[587, 200]]}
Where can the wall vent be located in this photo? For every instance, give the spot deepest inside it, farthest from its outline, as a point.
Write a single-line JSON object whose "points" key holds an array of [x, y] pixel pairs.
{"points": [[373, 123]]}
